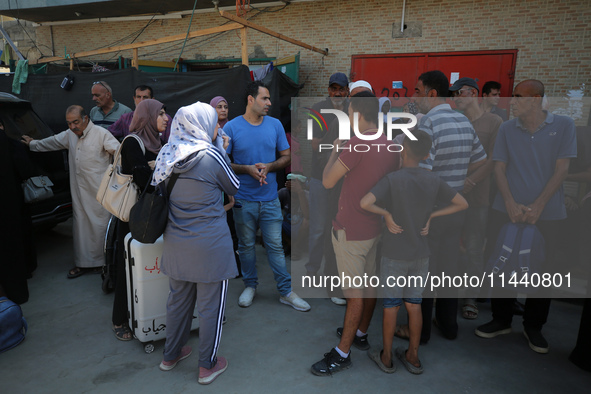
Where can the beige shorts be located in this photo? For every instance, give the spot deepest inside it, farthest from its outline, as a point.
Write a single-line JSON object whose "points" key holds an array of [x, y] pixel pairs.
{"points": [[354, 259]]}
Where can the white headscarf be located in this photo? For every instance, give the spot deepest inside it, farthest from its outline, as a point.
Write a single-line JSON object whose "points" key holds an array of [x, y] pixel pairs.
{"points": [[382, 101], [192, 130]]}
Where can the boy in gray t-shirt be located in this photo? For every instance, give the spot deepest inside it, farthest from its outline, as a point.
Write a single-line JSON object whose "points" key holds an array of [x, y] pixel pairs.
{"points": [[409, 196]]}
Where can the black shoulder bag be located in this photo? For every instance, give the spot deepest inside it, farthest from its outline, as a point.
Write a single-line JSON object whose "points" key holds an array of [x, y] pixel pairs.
{"points": [[149, 215]]}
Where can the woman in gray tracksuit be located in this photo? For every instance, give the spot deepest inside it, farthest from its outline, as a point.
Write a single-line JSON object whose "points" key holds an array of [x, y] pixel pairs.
{"points": [[197, 255]]}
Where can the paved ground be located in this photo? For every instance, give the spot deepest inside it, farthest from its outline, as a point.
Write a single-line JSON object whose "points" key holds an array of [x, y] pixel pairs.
{"points": [[270, 347]]}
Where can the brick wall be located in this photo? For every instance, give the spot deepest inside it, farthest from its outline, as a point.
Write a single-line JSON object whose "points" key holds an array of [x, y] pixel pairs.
{"points": [[553, 36]]}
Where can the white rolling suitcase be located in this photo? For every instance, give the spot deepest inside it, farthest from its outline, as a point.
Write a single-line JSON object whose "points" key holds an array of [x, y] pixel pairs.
{"points": [[147, 292]]}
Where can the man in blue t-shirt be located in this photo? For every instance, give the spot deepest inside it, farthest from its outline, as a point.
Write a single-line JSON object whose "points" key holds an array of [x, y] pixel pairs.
{"points": [[255, 140], [532, 154]]}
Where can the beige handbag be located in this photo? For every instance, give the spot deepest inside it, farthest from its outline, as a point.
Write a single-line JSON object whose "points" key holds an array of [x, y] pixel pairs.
{"points": [[117, 193]]}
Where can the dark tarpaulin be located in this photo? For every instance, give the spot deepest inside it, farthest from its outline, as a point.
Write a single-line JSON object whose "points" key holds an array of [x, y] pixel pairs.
{"points": [[282, 89], [173, 89]]}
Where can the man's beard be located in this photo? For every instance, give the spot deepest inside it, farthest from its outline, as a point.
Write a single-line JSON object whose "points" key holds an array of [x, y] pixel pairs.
{"points": [[337, 101]]}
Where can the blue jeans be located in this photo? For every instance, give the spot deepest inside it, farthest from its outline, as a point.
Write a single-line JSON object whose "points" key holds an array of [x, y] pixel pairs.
{"points": [[267, 215], [318, 226], [474, 236], [403, 280], [394, 302]]}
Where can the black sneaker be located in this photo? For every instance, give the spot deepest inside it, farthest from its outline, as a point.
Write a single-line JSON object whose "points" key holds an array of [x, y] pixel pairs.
{"points": [[360, 343], [492, 329], [331, 363], [536, 340]]}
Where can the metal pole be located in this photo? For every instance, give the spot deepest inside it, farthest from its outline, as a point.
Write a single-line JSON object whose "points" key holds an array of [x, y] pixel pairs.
{"points": [[7, 38], [402, 21]]}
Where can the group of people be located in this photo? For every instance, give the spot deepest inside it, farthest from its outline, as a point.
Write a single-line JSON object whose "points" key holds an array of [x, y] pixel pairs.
{"points": [[198, 255], [370, 213], [434, 202]]}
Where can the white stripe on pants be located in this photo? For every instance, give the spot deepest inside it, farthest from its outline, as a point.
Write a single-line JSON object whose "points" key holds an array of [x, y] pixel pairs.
{"points": [[211, 305]]}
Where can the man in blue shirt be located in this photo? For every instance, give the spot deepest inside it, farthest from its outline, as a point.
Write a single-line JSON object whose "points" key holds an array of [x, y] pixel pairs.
{"points": [[532, 155], [255, 140]]}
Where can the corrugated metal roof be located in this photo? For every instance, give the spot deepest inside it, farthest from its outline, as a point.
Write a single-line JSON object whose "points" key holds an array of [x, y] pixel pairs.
{"points": [[67, 10]]}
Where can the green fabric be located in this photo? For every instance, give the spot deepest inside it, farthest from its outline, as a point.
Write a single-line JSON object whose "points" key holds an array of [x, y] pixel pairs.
{"points": [[6, 55], [20, 75]]}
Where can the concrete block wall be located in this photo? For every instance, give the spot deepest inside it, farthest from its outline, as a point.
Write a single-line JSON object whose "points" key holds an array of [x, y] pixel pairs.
{"points": [[553, 36], [23, 35]]}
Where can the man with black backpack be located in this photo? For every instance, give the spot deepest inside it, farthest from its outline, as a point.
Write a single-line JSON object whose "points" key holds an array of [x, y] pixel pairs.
{"points": [[532, 154]]}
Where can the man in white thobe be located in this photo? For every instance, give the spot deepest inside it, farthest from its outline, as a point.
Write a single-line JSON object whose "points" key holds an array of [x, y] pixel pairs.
{"points": [[90, 149]]}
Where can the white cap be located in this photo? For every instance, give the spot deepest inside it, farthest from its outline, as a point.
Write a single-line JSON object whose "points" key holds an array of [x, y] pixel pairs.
{"points": [[359, 84]]}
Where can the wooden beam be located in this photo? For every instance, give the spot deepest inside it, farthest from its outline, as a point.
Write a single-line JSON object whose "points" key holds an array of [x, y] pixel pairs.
{"points": [[270, 32], [244, 43], [134, 61], [162, 40], [153, 63], [48, 60], [285, 60]]}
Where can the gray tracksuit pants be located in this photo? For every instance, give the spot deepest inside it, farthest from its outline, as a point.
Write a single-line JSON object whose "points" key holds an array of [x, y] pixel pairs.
{"points": [[211, 305]]}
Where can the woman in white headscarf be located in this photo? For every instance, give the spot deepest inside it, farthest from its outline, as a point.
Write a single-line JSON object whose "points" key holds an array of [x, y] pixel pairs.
{"points": [[197, 255], [385, 105]]}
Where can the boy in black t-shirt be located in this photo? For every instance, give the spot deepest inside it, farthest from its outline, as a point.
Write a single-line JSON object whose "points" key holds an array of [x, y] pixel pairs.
{"points": [[409, 196]]}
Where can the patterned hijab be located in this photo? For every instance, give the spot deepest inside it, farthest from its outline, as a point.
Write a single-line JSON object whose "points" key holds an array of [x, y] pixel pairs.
{"points": [[144, 124], [214, 103], [192, 130]]}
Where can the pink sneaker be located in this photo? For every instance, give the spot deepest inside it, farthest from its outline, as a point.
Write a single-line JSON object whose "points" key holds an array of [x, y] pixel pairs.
{"points": [[206, 376], [168, 365]]}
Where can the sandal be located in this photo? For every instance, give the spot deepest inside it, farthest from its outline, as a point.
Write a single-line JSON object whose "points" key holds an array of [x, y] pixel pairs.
{"points": [[376, 356], [123, 333], [401, 354], [470, 311], [77, 271], [402, 332]]}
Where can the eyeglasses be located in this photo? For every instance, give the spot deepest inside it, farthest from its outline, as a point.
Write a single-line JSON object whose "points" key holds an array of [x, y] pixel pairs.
{"points": [[458, 93], [102, 84]]}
